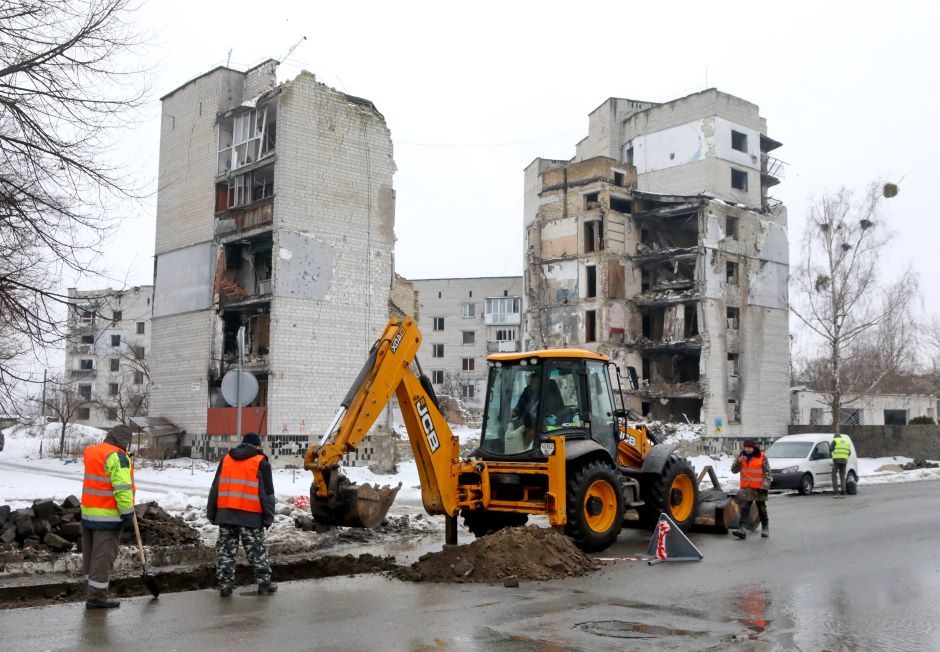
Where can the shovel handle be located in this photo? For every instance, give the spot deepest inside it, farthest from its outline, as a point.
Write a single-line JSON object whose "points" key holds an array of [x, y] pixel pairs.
{"points": [[140, 544]]}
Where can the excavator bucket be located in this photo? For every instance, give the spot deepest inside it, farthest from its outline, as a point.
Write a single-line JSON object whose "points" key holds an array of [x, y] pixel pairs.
{"points": [[354, 505]]}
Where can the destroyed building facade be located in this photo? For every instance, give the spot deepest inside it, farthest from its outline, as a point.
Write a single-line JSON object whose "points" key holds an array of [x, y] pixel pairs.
{"points": [[463, 320], [107, 354], [660, 245], [275, 213]]}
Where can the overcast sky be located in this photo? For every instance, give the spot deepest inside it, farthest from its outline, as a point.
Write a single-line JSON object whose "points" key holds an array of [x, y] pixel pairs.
{"points": [[473, 93]]}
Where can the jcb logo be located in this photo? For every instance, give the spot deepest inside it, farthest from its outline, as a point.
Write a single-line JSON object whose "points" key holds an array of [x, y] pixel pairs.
{"points": [[427, 424], [397, 341]]}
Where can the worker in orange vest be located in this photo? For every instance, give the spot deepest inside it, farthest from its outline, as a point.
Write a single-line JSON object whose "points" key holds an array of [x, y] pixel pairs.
{"points": [[756, 478], [241, 503], [107, 508]]}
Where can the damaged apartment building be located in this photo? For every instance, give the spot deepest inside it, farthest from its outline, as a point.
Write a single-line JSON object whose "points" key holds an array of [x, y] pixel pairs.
{"points": [[275, 213], [660, 245]]}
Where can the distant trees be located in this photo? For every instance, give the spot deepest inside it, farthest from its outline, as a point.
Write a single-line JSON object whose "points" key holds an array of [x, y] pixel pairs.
{"points": [[63, 402], [862, 321], [132, 398], [63, 92]]}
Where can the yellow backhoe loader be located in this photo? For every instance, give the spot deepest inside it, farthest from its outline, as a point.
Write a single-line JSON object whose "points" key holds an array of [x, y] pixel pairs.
{"points": [[553, 442]]}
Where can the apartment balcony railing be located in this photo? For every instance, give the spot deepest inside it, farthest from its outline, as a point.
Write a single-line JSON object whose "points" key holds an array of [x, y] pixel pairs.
{"points": [[81, 373], [502, 318], [236, 220], [502, 346], [772, 167]]}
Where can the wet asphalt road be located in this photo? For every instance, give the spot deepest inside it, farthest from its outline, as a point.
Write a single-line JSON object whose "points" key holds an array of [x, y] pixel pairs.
{"points": [[856, 574]]}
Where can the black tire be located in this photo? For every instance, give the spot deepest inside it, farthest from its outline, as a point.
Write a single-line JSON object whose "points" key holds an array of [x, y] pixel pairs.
{"points": [[661, 494], [851, 484], [483, 522], [594, 505], [806, 484]]}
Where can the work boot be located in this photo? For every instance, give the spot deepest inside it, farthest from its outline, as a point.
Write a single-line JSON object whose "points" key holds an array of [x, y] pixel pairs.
{"points": [[267, 587], [741, 533], [765, 531], [101, 603], [225, 591]]}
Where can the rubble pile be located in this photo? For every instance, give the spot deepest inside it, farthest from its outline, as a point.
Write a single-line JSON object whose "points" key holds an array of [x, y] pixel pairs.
{"points": [[919, 464], [508, 555], [56, 527]]}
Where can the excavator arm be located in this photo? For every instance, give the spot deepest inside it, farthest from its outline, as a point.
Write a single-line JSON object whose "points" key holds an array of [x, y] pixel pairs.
{"points": [[389, 369]]}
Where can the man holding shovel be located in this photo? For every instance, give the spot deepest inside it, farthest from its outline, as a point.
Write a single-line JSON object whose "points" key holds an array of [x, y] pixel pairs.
{"points": [[107, 507]]}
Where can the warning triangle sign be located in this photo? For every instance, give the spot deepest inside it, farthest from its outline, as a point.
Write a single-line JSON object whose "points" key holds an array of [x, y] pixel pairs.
{"points": [[669, 543]]}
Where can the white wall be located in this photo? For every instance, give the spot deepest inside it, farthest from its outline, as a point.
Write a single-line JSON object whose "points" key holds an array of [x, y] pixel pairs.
{"points": [[670, 147]]}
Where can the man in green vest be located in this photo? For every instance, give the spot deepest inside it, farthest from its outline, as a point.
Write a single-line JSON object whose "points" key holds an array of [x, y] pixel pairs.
{"points": [[841, 450]]}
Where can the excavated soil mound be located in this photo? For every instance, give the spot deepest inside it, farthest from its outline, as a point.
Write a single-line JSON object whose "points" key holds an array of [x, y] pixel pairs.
{"points": [[157, 528], [527, 553]]}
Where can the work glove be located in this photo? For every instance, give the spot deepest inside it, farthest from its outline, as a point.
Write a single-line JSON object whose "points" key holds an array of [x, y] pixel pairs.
{"points": [[127, 522]]}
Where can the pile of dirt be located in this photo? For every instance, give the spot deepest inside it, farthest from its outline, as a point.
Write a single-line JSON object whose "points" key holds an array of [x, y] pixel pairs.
{"points": [[525, 553], [919, 464], [48, 526]]}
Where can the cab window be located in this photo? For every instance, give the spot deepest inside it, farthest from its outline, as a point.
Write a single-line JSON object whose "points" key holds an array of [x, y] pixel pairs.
{"points": [[564, 397], [603, 424], [821, 452]]}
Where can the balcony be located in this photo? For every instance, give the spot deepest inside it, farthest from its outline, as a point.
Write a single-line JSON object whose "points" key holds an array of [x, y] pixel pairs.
{"points": [[692, 389], [502, 318], [504, 346], [772, 170], [245, 218], [81, 373]]}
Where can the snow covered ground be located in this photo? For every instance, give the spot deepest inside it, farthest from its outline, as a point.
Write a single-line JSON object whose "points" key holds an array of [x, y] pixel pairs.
{"points": [[182, 485]]}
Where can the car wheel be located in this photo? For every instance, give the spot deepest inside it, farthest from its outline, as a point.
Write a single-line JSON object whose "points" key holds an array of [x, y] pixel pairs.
{"points": [[806, 484], [851, 484]]}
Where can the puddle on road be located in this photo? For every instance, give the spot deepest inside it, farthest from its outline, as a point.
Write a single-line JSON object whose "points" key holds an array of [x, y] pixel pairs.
{"points": [[624, 629]]}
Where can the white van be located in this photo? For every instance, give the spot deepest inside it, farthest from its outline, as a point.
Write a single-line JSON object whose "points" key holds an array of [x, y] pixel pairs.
{"points": [[803, 462]]}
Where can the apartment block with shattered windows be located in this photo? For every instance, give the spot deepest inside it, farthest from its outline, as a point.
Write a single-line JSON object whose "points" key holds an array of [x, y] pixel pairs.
{"points": [[660, 245], [275, 213]]}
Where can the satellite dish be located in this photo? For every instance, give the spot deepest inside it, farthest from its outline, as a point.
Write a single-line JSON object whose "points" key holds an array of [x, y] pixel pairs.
{"points": [[239, 387]]}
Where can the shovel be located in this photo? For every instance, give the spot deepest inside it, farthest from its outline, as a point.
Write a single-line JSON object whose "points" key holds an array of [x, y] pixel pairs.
{"points": [[149, 580]]}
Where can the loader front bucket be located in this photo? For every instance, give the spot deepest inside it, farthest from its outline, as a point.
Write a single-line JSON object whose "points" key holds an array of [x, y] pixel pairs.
{"points": [[353, 505]]}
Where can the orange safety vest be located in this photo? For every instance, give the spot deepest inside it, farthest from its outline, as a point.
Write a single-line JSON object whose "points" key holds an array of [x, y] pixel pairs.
{"points": [[97, 490], [238, 484], [752, 472]]}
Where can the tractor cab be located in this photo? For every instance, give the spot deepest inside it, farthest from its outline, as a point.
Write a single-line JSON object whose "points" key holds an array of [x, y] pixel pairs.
{"points": [[533, 396]]}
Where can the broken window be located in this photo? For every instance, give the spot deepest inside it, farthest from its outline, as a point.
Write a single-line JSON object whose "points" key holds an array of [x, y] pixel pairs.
{"points": [[646, 280], [618, 181], [590, 326], [86, 363], [437, 377], [739, 179], [84, 392], [620, 204], [115, 364], [591, 284], [138, 377], [647, 370], [505, 334], [437, 350], [138, 352], [734, 318], [246, 137], [731, 273], [734, 411], [112, 414], [738, 141], [469, 337], [593, 236], [243, 189], [115, 340], [141, 327], [732, 364], [88, 339], [83, 414], [591, 200], [85, 316], [731, 227], [118, 315], [628, 155], [469, 310], [112, 389], [438, 323], [468, 391], [468, 364]]}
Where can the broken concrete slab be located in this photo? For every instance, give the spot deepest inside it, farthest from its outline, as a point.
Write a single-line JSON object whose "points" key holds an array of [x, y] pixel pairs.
{"points": [[41, 528], [22, 514], [71, 503], [4, 513], [71, 531], [44, 508], [24, 529], [8, 535], [57, 543]]}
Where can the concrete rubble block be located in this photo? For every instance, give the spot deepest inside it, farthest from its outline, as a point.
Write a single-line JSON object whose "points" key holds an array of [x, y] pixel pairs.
{"points": [[4, 513], [69, 517], [284, 509], [8, 534], [24, 514], [44, 508], [41, 528], [511, 582], [57, 543], [54, 520], [71, 531], [71, 503], [142, 509], [304, 522], [24, 529]]}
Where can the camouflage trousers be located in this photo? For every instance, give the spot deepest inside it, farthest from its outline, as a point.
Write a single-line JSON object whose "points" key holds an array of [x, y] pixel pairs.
{"points": [[255, 549]]}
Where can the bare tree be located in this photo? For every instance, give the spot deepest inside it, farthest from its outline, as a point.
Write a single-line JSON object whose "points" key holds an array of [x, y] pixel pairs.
{"points": [[64, 403], [839, 290], [63, 93], [133, 392]]}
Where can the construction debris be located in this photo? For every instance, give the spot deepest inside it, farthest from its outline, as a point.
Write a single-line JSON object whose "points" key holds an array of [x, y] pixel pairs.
{"points": [[506, 556]]}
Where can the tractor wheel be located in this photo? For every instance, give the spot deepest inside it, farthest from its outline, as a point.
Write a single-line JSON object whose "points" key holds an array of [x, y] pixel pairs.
{"points": [[851, 484], [673, 492], [594, 505], [482, 523]]}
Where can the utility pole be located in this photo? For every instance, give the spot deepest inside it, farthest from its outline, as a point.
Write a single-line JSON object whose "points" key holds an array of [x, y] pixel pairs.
{"points": [[238, 380]]}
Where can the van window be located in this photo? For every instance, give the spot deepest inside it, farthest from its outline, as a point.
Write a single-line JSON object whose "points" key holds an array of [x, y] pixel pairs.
{"points": [[790, 449], [822, 451]]}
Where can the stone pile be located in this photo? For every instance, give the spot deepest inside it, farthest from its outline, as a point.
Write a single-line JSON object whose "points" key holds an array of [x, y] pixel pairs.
{"points": [[45, 525]]}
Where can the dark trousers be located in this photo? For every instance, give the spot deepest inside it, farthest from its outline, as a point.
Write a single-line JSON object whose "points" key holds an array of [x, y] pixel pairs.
{"points": [[99, 549], [838, 472], [746, 512]]}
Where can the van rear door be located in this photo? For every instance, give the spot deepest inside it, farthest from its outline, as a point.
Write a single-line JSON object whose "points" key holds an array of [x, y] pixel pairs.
{"points": [[820, 462]]}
